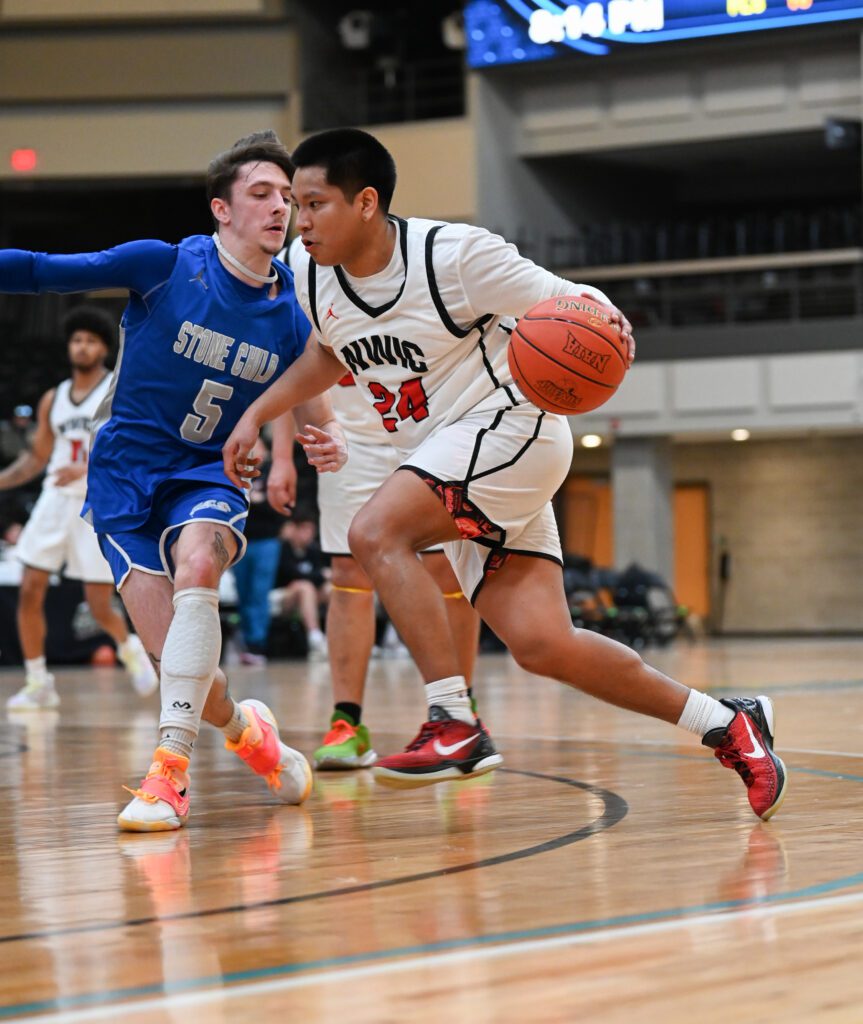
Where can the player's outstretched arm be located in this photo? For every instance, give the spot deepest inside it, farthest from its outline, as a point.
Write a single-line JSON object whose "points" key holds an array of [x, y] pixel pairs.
{"points": [[139, 266], [31, 462], [314, 372]]}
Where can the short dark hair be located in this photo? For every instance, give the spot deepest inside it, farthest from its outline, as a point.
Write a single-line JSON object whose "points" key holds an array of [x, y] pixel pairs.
{"points": [[352, 160], [92, 319], [262, 147]]}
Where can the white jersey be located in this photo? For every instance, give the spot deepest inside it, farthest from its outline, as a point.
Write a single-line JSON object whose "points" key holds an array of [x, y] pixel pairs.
{"points": [[360, 422], [426, 337], [71, 423]]}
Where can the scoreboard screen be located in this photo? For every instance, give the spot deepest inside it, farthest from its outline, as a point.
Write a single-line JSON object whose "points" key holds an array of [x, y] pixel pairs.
{"points": [[518, 31]]}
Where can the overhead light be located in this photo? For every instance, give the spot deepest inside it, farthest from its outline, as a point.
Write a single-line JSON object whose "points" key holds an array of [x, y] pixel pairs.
{"points": [[740, 434], [591, 441]]}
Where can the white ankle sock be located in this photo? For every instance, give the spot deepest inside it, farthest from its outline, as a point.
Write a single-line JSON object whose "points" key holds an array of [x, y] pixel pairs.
{"points": [[451, 695], [702, 713], [178, 741], [190, 658], [236, 725], [35, 670]]}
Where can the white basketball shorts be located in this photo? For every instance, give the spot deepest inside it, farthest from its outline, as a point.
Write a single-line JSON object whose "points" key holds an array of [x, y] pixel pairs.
{"points": [[341, 495], [496, 472], [55, 536]]}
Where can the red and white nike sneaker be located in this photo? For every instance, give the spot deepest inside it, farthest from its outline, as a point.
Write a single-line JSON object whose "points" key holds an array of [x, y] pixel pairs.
{"points": [[444, 748], [746, 745]]}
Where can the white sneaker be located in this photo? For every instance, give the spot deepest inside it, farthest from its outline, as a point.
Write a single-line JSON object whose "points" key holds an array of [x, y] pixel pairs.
{"points": [[35, 696], [318, 648], [140, 668]]}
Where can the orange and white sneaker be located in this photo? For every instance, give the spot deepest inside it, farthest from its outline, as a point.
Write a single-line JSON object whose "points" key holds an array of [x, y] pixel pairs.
{"points": [[288, 773], [162, 802]]}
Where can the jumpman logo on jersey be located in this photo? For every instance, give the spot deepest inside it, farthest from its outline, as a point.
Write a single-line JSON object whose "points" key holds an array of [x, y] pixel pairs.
{"points": [[330, 313], [199, 277]]}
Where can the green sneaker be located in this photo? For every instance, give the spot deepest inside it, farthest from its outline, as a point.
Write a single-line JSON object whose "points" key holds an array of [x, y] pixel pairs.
{"points": [[345, 746]]}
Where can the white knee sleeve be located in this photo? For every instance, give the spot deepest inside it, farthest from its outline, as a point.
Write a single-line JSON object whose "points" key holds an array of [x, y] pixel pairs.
{"points": [[190, 658]]}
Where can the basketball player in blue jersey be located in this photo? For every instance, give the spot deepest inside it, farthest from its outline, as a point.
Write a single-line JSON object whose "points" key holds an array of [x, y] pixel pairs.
{"points": [[210, 322], [421, 313], [55, 537]]}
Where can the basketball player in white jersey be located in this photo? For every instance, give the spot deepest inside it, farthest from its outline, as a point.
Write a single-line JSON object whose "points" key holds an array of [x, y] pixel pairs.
{"points": [[56, 536], [421, 313], [351, 610]]}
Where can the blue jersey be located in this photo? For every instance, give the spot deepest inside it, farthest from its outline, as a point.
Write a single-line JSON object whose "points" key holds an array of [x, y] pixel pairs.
{"points": [[197, 346]]}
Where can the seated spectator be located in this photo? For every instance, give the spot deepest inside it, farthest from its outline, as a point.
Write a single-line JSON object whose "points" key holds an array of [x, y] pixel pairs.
{"points": [[301, 579]]}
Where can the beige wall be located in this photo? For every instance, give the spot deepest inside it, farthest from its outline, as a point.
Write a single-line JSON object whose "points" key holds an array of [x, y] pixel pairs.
{"points": [[129, 102], [789, 512], [162, 105], [78, 11], [436, 166]]}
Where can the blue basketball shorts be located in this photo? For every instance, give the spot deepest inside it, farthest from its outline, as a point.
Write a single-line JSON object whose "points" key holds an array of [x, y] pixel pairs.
{"points": [[176, 504]]}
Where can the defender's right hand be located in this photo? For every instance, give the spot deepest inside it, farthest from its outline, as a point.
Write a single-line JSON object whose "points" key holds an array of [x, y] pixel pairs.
{"points": [[239, 464]]}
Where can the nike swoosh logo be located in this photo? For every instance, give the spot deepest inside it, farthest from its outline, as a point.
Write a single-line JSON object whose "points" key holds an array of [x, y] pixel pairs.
{"points": [[445, 751], [757, 750]]}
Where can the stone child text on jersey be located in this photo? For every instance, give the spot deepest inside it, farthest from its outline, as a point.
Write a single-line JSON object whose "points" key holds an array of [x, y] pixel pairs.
{"points": [[213, 349]]}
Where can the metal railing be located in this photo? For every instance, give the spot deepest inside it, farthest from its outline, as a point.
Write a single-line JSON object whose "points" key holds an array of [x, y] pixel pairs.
{"points": [[790, 287]]}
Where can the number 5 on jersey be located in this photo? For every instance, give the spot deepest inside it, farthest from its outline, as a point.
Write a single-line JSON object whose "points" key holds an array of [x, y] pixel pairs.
{"points": [[198, 426], [412, 402]]}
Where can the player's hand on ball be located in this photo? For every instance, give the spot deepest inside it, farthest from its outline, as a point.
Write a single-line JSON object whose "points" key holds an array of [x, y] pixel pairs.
{"points": [[326, 452], [617, 317], [239, 464]]}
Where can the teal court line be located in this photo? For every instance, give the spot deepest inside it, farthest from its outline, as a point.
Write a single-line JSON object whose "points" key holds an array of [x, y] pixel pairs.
{"points": [[95, 999]]}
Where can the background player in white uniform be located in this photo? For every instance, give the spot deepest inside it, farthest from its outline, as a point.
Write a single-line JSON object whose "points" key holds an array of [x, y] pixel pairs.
{"points": [[56, 537], [421, 313], [351, 610]]}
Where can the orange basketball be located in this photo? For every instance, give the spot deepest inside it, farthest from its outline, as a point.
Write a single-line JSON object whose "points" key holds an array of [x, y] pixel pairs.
{"points": [[566, 355]]}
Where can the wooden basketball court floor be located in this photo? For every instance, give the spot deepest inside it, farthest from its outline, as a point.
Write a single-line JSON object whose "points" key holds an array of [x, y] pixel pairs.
{"points": [[611, 871]]}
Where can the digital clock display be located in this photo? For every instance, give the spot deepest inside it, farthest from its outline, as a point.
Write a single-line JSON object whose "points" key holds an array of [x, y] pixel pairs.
{"points": [[518, 31]]}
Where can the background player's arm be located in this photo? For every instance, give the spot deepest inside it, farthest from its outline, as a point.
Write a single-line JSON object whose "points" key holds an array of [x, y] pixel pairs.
{"points": [[282, 481], [31, 463], [316, 370]]}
